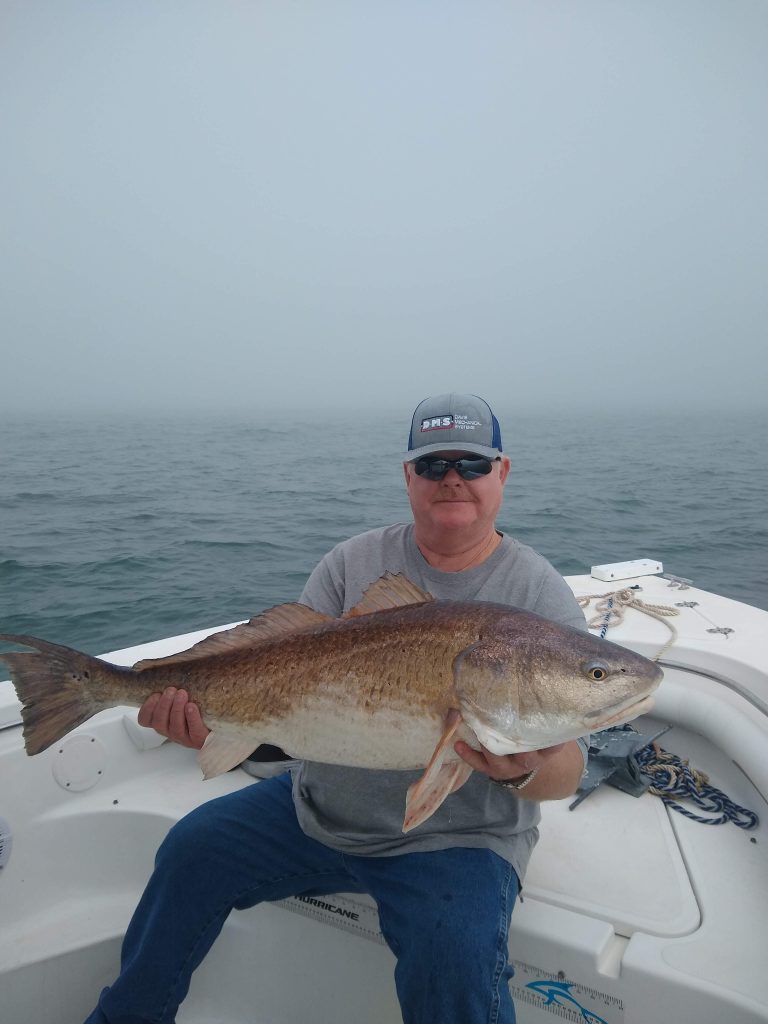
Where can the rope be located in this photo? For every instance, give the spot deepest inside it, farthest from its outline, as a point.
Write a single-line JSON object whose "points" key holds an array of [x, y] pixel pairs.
{"points": [[612, 606], [671, 776], [607, 619]]}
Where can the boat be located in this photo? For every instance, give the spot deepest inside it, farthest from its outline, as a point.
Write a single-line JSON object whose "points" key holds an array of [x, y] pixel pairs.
{"points": [[632, 910]]}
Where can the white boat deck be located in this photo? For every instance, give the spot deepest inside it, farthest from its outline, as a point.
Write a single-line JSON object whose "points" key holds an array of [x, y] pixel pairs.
{"points": [[650, 916]]}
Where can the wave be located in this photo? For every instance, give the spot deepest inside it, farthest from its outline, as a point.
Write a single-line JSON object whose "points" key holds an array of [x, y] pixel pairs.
{"points": [[199, 542]]}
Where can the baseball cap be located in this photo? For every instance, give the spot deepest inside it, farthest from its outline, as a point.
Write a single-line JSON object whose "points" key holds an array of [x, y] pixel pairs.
{"points": [[454, 422]]}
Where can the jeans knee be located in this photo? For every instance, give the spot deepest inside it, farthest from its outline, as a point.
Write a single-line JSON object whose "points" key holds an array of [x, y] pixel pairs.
{"points": [[190, 842]]}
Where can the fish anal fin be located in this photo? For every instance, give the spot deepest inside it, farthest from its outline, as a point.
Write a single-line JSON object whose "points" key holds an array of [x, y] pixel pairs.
{"points": [[392, 590], [280, 621], [221, 751], [439, 780]]}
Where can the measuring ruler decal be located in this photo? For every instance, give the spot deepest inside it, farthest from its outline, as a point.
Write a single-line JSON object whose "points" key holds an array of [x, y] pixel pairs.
{"points": [[562, 998]]}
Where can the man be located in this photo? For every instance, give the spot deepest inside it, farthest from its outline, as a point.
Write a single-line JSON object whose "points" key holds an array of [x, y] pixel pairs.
{"points": [[334, 829]]}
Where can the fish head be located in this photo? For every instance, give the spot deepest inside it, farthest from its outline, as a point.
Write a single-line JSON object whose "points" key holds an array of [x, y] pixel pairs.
{"points": [[529, 683]]}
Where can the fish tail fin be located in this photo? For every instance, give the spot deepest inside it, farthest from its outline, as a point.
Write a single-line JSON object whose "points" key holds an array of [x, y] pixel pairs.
{"points": [[58, 689]]}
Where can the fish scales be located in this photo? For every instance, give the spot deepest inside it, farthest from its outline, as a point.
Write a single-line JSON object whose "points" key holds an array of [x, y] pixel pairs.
{"points": [[403, 656]]}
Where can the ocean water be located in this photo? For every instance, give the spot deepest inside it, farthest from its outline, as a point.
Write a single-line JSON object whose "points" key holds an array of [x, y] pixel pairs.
{"points": [[119, 531]]}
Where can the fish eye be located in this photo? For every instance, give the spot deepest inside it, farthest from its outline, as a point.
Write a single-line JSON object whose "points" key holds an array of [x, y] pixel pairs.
{"points": [[597, 670]]}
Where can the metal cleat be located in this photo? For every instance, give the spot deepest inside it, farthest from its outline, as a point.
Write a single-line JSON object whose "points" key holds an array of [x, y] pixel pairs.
{"points": [[677, 581]]}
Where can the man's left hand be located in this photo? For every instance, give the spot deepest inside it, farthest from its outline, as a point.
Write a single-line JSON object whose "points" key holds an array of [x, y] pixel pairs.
{"points": [[559, 768], [505, 766]]}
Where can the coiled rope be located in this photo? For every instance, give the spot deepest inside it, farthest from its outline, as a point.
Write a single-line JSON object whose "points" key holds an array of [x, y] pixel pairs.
{"points": [[611, 608], [670, 776]]}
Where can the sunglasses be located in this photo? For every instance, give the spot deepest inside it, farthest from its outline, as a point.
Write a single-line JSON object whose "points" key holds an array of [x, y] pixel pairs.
{"points": [[471, 468]]}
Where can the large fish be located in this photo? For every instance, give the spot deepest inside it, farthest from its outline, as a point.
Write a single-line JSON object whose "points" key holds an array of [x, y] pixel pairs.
{"points": [[391, 685]]}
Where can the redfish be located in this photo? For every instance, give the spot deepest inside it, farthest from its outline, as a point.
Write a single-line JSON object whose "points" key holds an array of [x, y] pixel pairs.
{"points": [[391, 685]]}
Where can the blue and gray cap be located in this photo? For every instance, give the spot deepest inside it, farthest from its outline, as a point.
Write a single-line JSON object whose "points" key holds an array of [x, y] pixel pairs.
{"points": [[454, 423]]}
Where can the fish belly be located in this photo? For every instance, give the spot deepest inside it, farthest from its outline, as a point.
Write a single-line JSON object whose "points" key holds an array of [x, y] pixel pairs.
{"points": [[323, 731]]}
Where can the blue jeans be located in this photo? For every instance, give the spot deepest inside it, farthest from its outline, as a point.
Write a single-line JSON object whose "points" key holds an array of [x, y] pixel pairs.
{"points": [[445, 915]]}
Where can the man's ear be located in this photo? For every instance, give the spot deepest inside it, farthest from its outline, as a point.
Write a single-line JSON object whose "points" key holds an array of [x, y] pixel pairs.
{"points": [[506, 466]]}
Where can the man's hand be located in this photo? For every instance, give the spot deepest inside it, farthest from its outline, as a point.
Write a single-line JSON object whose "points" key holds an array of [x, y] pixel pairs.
{"points": [[559, 768], [172, 714]]}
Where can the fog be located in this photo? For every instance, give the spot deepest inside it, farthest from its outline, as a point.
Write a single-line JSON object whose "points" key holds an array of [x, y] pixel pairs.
{"points": [[234, 206]]}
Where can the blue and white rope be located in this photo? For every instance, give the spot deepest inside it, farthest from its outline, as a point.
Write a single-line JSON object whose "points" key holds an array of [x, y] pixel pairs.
{"points": [[607, 619], [670, 776], [610, 608]]}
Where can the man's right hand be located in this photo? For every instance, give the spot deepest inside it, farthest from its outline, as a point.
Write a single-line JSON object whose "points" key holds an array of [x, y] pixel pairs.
{"points": [[172, 714]]}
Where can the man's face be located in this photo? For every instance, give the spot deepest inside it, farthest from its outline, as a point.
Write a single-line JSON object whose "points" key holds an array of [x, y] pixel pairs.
{"points": [[453, 503]]}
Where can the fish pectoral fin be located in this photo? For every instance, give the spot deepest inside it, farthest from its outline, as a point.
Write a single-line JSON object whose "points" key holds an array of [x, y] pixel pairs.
{"points": [[392, 590], [220, 752], [283, 620], [439, 780], [424, 797]]}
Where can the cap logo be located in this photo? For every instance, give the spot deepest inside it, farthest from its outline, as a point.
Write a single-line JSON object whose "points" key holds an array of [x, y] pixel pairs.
{"points": [[437, 423], [449, 422]]}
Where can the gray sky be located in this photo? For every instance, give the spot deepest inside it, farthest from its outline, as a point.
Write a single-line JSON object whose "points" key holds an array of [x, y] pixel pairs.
{"points": [[236, 204]]}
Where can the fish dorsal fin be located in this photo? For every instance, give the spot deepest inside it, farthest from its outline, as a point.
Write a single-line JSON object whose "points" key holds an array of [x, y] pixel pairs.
{"points": [[392, 590], [280, 621]]}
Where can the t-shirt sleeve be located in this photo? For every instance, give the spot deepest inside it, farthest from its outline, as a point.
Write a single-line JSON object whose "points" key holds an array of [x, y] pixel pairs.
{"points": [[556, 601], [324, 590]]}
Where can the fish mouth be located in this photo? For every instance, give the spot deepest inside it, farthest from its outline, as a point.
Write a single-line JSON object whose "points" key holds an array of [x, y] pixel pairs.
{"points": [[618, 713]]}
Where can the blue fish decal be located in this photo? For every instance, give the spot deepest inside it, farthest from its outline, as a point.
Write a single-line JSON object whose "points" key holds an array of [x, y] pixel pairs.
{"points": [[559, 993]]}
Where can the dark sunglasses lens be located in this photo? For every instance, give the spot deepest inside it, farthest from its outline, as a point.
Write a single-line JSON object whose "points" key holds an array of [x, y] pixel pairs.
{"points": [[432, 469], [472, 469], [468, 469]]}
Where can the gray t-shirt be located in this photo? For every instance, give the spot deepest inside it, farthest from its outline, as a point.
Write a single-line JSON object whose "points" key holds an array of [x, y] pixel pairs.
{"points": [[360, 810]]}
